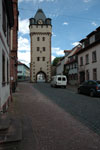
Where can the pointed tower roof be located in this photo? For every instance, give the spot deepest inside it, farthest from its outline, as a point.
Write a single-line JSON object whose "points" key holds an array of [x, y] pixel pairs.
{"points": [[40, 15]]}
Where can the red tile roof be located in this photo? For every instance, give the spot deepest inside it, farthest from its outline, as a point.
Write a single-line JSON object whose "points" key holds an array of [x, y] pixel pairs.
{"points": [[67, 51]]}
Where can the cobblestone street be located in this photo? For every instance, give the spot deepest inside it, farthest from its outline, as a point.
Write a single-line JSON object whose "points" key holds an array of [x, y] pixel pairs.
{"points": [[50, 126]]}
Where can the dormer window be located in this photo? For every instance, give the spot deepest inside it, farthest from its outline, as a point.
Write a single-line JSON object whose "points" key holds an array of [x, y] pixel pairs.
{"points": [[83, 45], [92, 39]]}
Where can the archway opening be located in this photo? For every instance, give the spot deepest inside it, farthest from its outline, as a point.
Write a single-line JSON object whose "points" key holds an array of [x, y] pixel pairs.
{"points": [[41, 77]]}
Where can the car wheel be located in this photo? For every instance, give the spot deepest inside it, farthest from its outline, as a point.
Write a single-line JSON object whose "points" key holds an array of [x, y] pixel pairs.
{"points": [[91, 93]]}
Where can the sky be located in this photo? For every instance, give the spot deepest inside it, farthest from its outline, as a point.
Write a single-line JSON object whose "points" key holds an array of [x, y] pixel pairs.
{"points": [[72, 20]]}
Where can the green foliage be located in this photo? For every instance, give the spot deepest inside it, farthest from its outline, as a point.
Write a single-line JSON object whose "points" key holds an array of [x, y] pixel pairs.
{"points": [[56, 60]]}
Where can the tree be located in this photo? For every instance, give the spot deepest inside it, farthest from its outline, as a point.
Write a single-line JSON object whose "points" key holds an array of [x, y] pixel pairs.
{"points": [[56, 60]]}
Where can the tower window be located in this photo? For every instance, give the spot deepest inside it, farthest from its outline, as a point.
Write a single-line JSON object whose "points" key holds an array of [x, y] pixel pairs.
{"points": [[43, 58], [43, 38], [38, 48], [44, 48], [38, 38], [38, 58]]}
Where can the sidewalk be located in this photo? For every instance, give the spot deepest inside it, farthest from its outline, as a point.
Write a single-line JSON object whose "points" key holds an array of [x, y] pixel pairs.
{"points": [[46, 126]]}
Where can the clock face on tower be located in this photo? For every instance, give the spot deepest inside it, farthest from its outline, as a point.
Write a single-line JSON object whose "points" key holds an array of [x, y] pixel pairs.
{"points": [[40, 22]]}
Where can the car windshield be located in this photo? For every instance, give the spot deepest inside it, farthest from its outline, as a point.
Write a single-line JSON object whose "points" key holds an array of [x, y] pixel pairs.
{"points": [[84, 83]]}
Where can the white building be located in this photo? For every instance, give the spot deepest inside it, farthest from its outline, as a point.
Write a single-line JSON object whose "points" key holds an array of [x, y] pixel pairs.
{"points": [[61, 63], [6, 22], [89, 57], [40, 35], [60, 66], [23, 72]]}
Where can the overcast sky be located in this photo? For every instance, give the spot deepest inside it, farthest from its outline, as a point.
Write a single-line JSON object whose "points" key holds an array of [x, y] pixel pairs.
{"points": [[72, 20]]}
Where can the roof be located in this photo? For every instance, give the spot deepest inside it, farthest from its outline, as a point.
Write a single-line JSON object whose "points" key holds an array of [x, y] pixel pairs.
{"points": [[40, 15], [97, 41], [20, 63], [90, 34], [77, 50], [73, 52], [67, 51]]}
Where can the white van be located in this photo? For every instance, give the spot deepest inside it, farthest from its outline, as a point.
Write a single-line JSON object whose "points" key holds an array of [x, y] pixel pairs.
{"points": [[59, 81]]}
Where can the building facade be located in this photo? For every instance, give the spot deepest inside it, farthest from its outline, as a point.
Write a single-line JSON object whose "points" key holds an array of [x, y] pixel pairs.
{"points": [[23, 72], [71, 66], [40, 35], [60, 66], [89, 57], [61, 63], [6, 22], [14, 47]]}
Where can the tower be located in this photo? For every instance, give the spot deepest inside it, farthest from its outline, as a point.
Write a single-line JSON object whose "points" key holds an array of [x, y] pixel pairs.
{"points": [[40, 37]]}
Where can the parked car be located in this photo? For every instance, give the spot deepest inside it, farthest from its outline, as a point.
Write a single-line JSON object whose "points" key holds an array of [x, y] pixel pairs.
{"points": [[59, 81], [90, 87]]}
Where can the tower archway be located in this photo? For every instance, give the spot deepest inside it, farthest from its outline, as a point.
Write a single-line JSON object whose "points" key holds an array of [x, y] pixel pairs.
{"points": [[41, 77]]}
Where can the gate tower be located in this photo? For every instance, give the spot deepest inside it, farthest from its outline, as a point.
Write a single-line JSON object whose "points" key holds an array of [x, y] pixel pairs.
{"points": [[40, 37]]}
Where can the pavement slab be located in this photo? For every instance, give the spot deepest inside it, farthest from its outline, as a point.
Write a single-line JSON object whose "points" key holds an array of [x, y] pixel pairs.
{"points": [[52, 128], [13, 133], [4, 122]]}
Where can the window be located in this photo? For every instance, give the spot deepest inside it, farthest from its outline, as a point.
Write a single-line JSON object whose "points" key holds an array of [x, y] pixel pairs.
{"points": [[94, 58], [59, 78], [92, 83], [75, 76], [38, 48], [43, 48], [75, 65], [38, 38], [85, 83], [19, 71], [3, 67], [7, 71], [83, 45], [43, 38], [38, 58], [63, 79], [92, 39], [72, 66], [87, 59], [87, 74], [4, 18], [43, 58], [95, 74], [8, 34], [81, 61]]}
